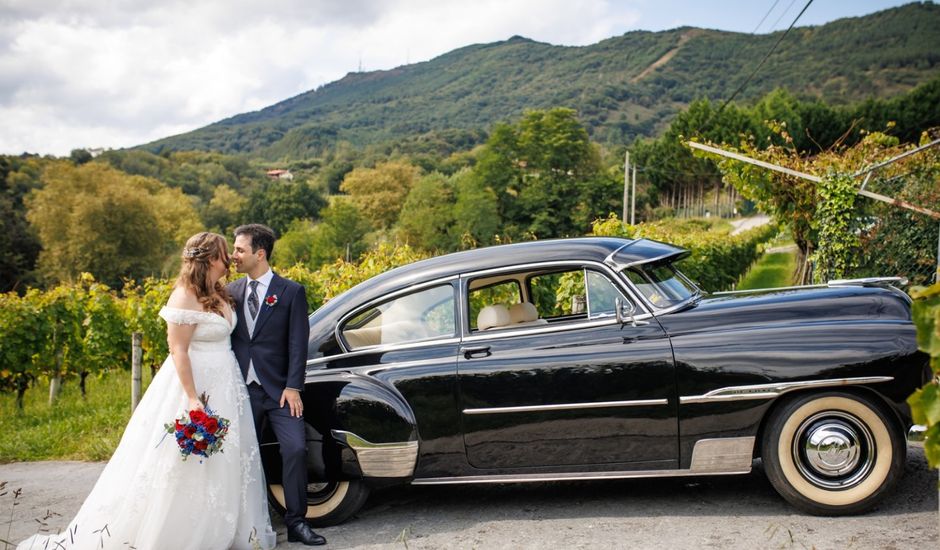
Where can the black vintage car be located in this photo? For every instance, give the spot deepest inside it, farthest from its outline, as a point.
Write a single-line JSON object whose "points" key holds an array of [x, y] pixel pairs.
{"points": [[595, 358]]}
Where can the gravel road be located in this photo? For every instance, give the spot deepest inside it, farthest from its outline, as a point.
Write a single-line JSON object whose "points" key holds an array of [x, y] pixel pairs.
{"points": [[714, 512]]}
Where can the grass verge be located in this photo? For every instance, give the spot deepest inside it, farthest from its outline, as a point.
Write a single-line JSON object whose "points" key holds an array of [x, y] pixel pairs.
{"points": [[774, 269], [75, 428]]}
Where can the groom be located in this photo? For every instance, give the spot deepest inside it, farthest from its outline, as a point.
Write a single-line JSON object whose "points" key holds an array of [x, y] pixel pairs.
{"points": [[270, 343]]}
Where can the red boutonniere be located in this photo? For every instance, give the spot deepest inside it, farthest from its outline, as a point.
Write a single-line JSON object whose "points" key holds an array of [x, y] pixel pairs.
{"points": [[271, 300]]}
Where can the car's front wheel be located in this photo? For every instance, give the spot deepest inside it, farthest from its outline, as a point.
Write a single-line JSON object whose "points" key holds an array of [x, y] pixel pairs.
{"points": [[833, 453], [328, 503]]}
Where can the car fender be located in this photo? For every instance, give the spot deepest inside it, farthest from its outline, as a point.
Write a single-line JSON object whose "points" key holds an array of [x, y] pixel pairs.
{"points": [[368, 428]]}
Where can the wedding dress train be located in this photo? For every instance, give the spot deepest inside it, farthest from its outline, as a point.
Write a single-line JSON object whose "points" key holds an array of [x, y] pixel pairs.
{"points": [[147, 497]]}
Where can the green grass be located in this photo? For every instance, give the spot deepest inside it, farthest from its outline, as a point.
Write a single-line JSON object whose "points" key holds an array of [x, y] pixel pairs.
{"points": [[771, 271], [74, 428]]}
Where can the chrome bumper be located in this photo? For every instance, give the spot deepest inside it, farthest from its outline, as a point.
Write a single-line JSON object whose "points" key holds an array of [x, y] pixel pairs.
{"points": [[916, 433]]}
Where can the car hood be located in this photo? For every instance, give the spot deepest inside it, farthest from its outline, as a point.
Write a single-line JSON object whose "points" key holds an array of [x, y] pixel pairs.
{"points": [[803, 305]]}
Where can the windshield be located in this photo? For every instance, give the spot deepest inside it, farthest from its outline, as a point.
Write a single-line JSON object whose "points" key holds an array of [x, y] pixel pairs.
{"points": [[661, 284]]}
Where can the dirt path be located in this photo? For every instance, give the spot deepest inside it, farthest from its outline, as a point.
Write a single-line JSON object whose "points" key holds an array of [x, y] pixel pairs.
{"points": [[749, 223], [666, 56], [717, 512]]}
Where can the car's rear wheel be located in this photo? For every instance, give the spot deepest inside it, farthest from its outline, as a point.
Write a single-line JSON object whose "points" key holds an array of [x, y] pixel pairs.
{"points": [[833, 453], [328, 503]]}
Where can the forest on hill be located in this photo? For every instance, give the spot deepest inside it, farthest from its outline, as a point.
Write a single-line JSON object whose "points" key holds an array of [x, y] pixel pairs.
{"points": [[124, 214], [622, 88]]}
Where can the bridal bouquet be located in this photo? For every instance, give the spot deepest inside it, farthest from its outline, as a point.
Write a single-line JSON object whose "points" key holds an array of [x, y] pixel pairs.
{"points": [[199, 432]]}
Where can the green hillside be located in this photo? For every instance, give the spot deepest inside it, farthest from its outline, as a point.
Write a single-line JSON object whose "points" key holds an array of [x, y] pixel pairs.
{"points": [[622, 88]]}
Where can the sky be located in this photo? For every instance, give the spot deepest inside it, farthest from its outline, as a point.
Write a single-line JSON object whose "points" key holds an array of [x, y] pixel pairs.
{"points": [[119, 73]]}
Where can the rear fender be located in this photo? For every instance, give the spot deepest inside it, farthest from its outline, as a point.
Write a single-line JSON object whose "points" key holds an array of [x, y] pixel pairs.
{"points": [[368, 430]]}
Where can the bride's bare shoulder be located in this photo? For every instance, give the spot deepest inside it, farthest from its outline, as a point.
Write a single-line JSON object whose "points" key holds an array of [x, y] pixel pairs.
{"points": [[184, 298]]}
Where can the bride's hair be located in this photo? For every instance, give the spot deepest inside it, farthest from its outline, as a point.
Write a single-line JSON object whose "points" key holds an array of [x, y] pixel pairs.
{"points": [[200, 250]]}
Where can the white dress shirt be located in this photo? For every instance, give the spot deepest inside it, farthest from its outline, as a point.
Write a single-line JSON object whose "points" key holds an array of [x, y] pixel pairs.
{"points": [[264, 282]]}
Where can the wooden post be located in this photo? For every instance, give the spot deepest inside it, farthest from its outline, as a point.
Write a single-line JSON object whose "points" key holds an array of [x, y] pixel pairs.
{"points": [[55, 383], [136, 360]]}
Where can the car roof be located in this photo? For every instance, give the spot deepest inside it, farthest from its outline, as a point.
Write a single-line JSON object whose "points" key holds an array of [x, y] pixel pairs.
{"points": [[616, 252]]}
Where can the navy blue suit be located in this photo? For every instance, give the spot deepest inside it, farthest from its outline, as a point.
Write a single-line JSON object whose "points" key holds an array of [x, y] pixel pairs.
{"points": [[278, 350]]}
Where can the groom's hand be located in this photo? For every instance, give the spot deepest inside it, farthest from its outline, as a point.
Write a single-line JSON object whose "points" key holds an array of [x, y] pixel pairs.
{"points": [[292, 398]]}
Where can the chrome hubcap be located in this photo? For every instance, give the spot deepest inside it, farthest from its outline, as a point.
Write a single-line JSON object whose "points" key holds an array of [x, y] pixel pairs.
{"points": [[318, 493], [833, 450]]}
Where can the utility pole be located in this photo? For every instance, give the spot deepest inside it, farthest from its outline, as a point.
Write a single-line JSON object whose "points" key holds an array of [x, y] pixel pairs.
{"points": [[626, 182], [633, 199]]}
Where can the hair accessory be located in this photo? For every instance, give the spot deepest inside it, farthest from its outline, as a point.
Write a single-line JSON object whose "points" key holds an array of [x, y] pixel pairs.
{"points": [[194, 252]]}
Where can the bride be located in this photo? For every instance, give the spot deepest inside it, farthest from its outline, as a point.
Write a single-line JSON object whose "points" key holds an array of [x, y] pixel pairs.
{"points": [[147, 497]]}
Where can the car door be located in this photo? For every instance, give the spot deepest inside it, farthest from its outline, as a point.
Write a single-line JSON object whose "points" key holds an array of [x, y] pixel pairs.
{"points": [[573, 387]]}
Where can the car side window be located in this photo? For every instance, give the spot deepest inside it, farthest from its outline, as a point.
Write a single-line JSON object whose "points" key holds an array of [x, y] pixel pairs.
{"points": [[504, 293], [601, 295], [422, 315], [574, 294]]}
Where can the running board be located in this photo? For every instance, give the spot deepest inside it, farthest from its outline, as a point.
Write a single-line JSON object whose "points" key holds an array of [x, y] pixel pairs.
{"points": [[710, 457]]}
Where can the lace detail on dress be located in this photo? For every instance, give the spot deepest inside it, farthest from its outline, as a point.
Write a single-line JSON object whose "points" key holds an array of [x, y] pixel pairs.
{"points": [[190, 316]]}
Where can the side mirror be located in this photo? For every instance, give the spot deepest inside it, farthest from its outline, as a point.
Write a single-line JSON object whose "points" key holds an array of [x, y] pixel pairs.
{"points": [[625, 311]]}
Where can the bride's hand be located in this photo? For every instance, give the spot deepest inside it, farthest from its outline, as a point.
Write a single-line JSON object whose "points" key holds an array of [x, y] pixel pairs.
{"points": [[195, 404]]}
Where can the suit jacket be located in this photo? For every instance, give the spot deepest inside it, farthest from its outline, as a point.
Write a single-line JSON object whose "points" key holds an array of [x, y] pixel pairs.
{"points": [[278, 346]]}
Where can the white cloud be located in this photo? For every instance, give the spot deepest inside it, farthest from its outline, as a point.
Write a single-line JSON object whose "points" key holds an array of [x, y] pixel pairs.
{"points": [[117, 73], [89, 73]]}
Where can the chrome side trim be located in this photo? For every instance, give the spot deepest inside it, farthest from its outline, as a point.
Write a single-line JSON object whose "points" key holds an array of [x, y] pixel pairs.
{"points": [[869, 281], [396, 459], [383, 348], [568, 406], [722, 455], [769, 391], [573, 476], [609, 260], [759, 290]]}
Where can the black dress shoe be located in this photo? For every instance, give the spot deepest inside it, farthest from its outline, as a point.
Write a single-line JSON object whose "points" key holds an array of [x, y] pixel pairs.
{"points": [[303, 533]]}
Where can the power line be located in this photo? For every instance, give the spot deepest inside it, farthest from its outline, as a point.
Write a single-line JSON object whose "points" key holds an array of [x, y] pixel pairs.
{"points": [[761, 64], [786, 11], [765, 16]]}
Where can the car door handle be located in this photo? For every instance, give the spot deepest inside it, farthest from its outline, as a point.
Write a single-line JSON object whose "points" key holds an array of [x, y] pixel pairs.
{"points": [[478, 351]]}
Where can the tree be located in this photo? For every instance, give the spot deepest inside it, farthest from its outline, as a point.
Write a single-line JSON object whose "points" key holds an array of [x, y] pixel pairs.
{"points": [[380, 192], [476, 211], [427, 217], [19, 244], [340, 233], [223, 212], [96, 219], [80, 156], [277, 203], [539, 168]]}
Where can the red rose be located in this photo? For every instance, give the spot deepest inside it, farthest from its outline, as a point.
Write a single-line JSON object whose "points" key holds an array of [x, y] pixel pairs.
{"points": [[197, 417], [201, 445], [188, 431], [177, 426], [212, 425]]}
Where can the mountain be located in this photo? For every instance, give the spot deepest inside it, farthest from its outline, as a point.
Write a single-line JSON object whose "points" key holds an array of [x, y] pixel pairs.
{"points": [[622, 87]]}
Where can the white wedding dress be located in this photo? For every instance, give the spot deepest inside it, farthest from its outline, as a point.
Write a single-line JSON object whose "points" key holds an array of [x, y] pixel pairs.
{"points": [[147, 497]]}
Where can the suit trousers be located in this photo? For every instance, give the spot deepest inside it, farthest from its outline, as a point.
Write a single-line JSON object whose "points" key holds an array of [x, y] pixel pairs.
{"points": [[291, 437]]}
